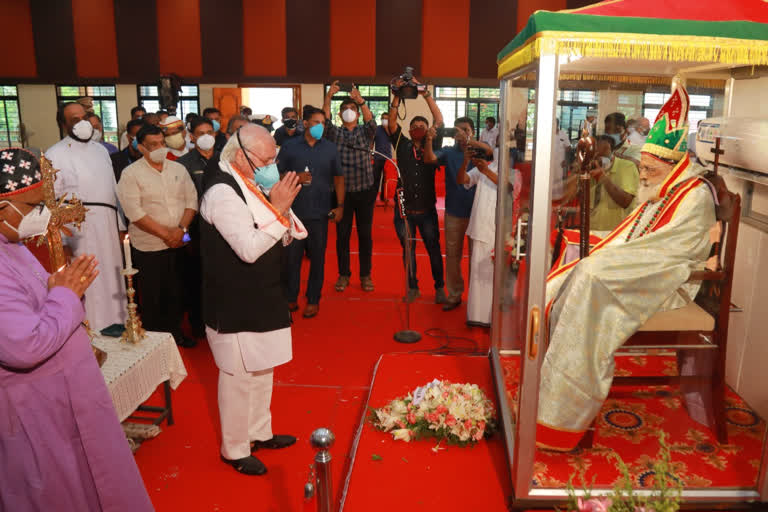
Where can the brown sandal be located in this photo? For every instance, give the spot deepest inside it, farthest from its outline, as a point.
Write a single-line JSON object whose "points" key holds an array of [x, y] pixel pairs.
{"points": [[366, 283]]}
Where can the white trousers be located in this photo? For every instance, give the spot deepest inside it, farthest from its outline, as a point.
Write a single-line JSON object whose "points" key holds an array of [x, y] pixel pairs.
{"points": [[244, 399], [480, 297]]}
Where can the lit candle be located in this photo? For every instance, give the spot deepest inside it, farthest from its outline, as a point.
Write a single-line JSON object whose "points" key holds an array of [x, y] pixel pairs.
{"points": [[127, 252]]}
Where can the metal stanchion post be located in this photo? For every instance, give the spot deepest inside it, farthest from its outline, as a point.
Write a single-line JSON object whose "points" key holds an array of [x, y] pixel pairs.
{"points": [[319, 483]]}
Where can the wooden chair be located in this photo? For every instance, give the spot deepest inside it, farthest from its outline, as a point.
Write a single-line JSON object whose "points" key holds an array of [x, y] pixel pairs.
{"points": [[698, 332]]}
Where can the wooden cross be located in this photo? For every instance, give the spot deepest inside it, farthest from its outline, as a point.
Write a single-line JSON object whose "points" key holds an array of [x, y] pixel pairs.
{"points": [[62, 213]]}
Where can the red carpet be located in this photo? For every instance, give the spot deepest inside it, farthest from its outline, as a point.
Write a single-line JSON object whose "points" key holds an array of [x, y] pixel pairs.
{"points": [[628, 425], [326, 385], [411, 475]]}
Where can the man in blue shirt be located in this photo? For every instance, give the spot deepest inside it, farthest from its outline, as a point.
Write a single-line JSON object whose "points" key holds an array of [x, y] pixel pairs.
{"points": [[316, 161], [458, 207]]}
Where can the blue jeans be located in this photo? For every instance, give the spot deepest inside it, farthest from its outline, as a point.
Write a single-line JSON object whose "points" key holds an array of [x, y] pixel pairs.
{"points": [[429, 230], [315, 244]]}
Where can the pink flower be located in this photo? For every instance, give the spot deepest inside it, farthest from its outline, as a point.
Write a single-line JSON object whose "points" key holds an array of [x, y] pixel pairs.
{"points": [[441, 409], [450, 420], [481, 425], [433, 418], [445, 394], [400, 423], [467, 424], [411, 418], [601, 504], [478, 435]]}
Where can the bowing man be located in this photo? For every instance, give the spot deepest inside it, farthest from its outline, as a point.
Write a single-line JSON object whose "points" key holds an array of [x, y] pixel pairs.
{"points": [[246, 220]]}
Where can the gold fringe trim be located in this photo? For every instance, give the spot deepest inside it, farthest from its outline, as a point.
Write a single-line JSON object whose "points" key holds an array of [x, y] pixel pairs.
{"points": [[705, 83], [653, 47]]}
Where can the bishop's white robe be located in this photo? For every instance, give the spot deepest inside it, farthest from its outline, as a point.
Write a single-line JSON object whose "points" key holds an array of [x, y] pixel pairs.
{"points": [[85, 170], [594, 305]]}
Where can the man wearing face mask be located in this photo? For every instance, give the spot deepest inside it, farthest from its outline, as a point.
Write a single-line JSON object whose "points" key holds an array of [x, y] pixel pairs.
{"points": [[290, 128], [173, 129], [62, 446], [85, 170], [246, 221], [130, 154], [214, 115], [382, 145], [612, 189], [137, 112], [160, 200], [316, 161], [638, 131], [98, 133], [201, 157], [616, 129], [417, 162], [360, 195]]}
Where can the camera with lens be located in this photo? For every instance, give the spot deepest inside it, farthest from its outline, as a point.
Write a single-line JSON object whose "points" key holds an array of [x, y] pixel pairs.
{"points": [[409, 89], [480, 153]]}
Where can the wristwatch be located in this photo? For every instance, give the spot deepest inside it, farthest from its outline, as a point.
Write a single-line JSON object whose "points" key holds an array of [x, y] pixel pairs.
{"points": [[361, 103], [427, 94]]}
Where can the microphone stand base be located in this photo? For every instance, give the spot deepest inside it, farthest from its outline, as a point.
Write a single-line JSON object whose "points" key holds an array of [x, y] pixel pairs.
{"points": [[407, 336]]}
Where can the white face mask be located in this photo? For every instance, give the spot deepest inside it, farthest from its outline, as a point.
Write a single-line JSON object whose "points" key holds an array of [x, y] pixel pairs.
{"points": [[96, 135], [33, 224], [385, 122], [175, 141], [205, 142], [83, 130], [158, 155], [605, 162], [349, 115]]}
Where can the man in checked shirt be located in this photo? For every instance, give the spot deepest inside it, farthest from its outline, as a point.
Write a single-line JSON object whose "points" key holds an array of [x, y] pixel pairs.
{"points": [[360, 189]]}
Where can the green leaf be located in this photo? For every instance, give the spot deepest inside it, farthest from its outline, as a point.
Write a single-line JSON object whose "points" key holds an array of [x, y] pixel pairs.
{"points": [[376, 457]]}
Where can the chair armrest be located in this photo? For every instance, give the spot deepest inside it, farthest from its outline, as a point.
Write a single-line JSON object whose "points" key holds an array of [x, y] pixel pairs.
{"points": [[706, 275]]}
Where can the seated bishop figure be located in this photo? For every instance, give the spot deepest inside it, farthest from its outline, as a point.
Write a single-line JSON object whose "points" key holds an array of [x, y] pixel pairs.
{"points": [[594, 305]]}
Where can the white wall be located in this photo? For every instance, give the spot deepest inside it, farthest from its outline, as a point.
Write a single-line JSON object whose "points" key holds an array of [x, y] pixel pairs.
{"points": [[38, 114], [747, 348]]}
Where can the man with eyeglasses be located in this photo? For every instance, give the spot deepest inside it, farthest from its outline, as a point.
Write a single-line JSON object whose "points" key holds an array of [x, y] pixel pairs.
{"points": [[245, 223]]}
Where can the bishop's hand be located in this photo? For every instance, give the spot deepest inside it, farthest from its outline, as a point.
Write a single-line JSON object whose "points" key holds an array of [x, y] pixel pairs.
{"points": [[77, 276], [284, 192]]}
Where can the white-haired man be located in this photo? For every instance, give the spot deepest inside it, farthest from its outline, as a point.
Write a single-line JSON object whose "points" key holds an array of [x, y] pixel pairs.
{"points": [[246, 220]]}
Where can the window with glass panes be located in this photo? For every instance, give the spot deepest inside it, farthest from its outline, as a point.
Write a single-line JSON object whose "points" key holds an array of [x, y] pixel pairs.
{"points": [[701, 107], [189, 99], [572, 107], [10, 118], [104, 104], [376, 96], [477, 103]]}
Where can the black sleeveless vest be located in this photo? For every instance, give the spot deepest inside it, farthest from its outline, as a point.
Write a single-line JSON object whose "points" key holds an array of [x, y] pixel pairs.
{"points": [[239, 296]]}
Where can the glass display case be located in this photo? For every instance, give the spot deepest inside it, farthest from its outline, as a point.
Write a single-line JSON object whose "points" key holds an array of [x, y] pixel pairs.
{"points": [[530, 208]]}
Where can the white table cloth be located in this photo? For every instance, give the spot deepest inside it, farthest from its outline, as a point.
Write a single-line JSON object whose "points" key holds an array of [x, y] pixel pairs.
{"points": [[133, 372]]}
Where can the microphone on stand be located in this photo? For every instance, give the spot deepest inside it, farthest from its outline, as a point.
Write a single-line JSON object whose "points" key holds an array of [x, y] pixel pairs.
{"points": [[406, 335]]}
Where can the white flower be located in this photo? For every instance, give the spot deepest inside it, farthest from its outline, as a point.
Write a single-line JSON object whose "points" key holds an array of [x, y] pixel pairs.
{"points": [[401, 434]]}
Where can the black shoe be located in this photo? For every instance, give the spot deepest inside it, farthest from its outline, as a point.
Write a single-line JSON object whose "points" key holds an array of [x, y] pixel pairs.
{"points": [[452, 304], [277, 442], [293, 306], [247, 465], [185, 342]]}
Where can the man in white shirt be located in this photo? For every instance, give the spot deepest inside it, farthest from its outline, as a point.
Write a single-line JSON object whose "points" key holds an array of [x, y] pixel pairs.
{"points": [[85, 170], [491, 133], [160, 200], [245, 221], [482, 231]]}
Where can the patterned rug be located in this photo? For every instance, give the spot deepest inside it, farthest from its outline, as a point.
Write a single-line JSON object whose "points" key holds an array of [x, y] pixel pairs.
{"points": [[629, 424]]}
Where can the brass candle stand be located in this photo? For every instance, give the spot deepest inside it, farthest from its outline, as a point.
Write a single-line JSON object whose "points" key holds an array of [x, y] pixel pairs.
{"points": [[134, 332]]}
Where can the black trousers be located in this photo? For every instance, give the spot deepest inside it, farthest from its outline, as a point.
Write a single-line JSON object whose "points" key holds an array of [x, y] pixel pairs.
{"points": [[378, 183], [193, 285], [315, 244], [161, 289], [359, 205]]}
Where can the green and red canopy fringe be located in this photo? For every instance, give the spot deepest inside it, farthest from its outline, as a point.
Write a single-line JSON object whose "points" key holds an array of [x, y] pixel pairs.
{"points": [[733, 32]]}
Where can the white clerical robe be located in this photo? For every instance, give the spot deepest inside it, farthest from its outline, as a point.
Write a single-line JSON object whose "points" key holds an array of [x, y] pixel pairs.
{"points": [[85, 170], [594, 305], [482, 230]]}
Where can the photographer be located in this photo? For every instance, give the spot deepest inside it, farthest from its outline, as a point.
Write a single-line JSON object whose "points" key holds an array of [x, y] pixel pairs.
{"points": [[418, 163], [290, 128], [353, 141], [458, 205]]}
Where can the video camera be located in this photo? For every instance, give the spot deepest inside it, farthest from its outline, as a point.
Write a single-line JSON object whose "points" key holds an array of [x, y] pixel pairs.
{"points": [[408, 90]]}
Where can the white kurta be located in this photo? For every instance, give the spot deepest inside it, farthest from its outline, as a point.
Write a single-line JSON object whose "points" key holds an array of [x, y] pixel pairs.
{"points": [[85, 170], [234, 220], [482, 231]]}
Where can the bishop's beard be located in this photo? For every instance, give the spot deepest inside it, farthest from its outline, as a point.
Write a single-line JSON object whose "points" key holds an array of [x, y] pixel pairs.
{"points": [[646, 192]]}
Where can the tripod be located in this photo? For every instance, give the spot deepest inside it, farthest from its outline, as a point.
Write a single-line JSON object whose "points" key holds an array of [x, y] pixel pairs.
{"points": [[405, 335]]}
